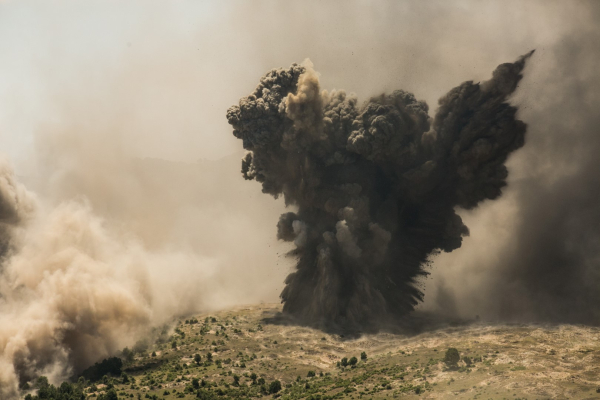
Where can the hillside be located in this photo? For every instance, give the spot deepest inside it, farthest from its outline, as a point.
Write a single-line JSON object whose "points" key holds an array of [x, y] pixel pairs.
{"points": [[243, 351]]}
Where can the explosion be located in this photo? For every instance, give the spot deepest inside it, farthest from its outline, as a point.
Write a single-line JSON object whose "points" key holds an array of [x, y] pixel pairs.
{"points": [[376, 186]]}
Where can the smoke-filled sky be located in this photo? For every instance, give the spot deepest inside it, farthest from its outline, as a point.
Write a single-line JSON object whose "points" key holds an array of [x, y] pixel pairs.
{"points": [[107, 106], [174, 66]]}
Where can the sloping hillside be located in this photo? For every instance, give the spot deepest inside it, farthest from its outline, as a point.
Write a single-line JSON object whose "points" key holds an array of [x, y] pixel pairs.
{"points": [[244, 352]]}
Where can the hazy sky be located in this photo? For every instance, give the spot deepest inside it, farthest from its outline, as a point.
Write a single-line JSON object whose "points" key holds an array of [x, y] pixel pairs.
{"points": [[174, 67], [155, 78]]}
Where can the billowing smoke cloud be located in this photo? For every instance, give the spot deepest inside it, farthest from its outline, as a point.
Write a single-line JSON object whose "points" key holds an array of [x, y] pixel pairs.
{"points": [[375, 186], [16, 206]]}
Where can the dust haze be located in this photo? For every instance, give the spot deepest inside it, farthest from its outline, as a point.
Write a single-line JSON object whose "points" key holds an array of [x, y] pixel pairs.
{"points": [[126, 206]]}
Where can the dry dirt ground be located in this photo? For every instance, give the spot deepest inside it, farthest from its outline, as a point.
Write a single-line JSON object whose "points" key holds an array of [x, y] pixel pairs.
{"points": [[507, 361]]}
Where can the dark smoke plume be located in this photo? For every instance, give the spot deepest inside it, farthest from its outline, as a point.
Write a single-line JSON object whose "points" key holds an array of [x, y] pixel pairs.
{"points": [[375, 185]]}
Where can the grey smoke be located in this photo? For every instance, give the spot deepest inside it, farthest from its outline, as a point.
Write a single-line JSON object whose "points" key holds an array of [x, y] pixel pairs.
{"points": [[376, 186], [543, 259]]}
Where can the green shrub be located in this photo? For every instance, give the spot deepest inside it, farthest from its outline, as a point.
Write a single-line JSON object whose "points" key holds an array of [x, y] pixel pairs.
{"points": [[452, 357], [274, 387]]}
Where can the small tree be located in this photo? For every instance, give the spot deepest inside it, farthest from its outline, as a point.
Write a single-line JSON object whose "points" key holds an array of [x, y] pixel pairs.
{"points": [[452, 357], [173, 344], [310, 374], [353, 361], [197, 359], [344, 362], [42, 382], [195, 383], [253, 377], [236, 380], [274, 387], [110, 395], [128, 355], [363, 356]]}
